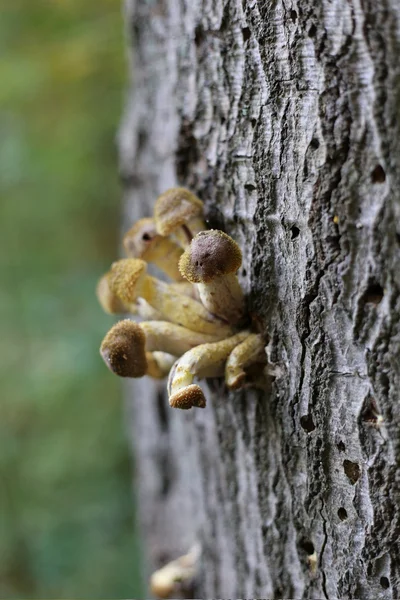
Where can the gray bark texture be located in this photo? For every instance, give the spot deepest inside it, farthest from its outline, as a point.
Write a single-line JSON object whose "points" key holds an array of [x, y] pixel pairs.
{"points": [[283, 117]]}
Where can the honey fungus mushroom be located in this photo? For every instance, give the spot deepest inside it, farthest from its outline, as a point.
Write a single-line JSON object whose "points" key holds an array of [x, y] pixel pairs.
{"points": [[113, 305], [129, 280], [202, 361], [123, 350], [174, 578], [124, 347], [211, 262], [250, 351], [180, 212], [143, 241]]}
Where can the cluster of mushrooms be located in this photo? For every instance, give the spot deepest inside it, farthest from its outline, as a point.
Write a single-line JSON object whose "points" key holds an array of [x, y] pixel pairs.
{"points": [[196, 326]]}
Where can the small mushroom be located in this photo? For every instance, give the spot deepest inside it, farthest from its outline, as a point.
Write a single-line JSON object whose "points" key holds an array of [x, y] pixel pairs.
{"points": [[211, 262], [143, 241], [108, 300], [250, 351], [125, 345], [177, 576], [159, 364], [129, 280], [123, 350], [113, 305], [181, 390], [177, 211]]}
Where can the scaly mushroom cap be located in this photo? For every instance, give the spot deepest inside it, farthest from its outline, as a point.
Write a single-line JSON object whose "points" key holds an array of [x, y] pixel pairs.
{"points": [[126, 277], [211, 254], [109, 302], [140, 238], [123, 349], [187, 397], [174, 208]]}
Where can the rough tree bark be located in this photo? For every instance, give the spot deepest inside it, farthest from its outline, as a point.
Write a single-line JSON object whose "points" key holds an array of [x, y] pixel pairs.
{"points": [[282, 116]]}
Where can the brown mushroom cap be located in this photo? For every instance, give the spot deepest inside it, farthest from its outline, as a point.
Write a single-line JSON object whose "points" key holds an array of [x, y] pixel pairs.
{"points": [[109, 301], [174, 208], [211, 254], [187, 397], [123, 349], [126, 276], [140, 238]]}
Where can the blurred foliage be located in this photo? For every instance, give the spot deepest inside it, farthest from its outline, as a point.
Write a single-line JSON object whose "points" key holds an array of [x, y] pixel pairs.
{"points": [[66, 509]]}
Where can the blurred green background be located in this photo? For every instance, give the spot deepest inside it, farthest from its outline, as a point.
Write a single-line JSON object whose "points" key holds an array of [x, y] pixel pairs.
{"points": [[66, 507]]}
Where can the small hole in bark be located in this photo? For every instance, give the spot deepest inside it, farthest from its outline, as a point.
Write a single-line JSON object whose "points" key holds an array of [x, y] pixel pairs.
{"points": [[314, 144], [341, 446], [378, 175], [342, 513], [384, 581], [244, 272], [246, 33], [312, 31], [293, 15], [141, 139], [199, 35], [253, 122], [307, 545], [370, 411], [398, 238], [352, 471], [295, 232], [250, 187], [374, 294], [307, 423]]}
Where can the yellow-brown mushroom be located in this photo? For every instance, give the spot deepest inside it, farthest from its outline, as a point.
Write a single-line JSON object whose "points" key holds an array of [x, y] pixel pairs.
{"points": [[159, 364], [123, 350], [129, 280], [211, 262], [124, 347], [181, 390], [175, 577], [113, 305], [143, 241], [179, 212], [249, 352]]}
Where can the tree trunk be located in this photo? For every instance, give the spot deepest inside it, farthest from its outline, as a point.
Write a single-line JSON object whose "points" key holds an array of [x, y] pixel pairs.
{"points": [[282, 117]]}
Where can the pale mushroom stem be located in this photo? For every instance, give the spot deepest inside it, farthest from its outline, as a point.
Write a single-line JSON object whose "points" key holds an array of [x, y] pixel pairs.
{"points": [[250, 351], [185, 233], [171, 338], [185, 288], [192, 363], [223, 297], [182, 310], [159, 364], [145, 311]]}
